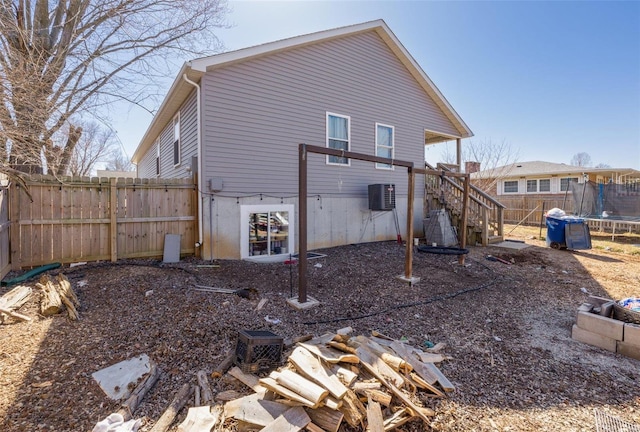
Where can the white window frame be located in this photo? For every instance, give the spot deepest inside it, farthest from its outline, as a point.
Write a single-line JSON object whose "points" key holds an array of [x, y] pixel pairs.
{"points": [[328, 157], [540, 187], [504, 186], [537, 188], [246, 211], [569, 180], [535, 183], [177, 142], [393, 146]]}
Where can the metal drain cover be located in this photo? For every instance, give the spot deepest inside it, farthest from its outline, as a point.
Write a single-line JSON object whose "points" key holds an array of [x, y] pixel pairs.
{"points": [[609, 423]]}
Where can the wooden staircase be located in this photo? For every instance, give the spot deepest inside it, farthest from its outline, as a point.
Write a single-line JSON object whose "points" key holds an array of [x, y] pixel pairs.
{"points": [[485, 215]]}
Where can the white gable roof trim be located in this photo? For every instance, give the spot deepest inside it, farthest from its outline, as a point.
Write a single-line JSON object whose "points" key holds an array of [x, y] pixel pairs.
{"points": [[196, 68]]}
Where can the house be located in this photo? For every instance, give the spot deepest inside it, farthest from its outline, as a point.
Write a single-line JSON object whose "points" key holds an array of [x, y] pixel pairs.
{"points": [[584, 190], [235, 121]]}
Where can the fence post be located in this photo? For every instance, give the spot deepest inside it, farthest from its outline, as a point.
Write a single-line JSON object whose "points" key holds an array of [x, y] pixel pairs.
{"points": [[14, 233], [113, 225]]}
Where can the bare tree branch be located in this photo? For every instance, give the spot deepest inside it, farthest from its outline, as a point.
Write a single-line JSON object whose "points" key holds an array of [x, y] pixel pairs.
{"points": [[60, 60]]}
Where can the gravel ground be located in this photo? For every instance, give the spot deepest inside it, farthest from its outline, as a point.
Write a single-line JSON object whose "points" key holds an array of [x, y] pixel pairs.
{"points": [[506, 327]]}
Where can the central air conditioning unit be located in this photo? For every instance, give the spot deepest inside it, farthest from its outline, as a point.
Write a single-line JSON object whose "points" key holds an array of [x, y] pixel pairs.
{"points": [[382, 197]]}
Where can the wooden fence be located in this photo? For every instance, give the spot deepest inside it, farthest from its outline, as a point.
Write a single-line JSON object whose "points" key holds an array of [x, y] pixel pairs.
{"points": [[94, 219], [5, 256], [528, 210]]}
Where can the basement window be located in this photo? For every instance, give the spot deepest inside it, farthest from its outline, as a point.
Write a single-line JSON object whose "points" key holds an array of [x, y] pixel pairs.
{"points": [[267, 231]]}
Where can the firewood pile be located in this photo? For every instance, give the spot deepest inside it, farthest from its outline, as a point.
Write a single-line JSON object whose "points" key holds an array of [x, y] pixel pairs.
{"points": [[370, 383], [55, 297]]}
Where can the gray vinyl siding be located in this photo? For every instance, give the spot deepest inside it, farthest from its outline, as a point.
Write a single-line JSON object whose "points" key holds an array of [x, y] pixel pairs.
{"points": [[256, 112], [188, 142], [147, 165]]}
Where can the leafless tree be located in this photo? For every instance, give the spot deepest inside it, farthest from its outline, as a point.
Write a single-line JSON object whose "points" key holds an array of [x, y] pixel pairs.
{"points": [[118, 161], [61, 60], [96, 144], [603, 165], [581, 159], [494, 157]]}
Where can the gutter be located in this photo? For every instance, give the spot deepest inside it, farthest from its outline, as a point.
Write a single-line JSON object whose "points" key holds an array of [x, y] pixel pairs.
{"points": [[199, 154]]}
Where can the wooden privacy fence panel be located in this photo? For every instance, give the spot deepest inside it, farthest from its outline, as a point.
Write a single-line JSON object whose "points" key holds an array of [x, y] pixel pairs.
{"points": [[92, 219], [5, 256], [528, 209]]}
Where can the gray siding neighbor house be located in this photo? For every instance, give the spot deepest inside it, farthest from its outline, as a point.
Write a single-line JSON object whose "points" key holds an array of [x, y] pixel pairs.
{"points": [[237, 118]]}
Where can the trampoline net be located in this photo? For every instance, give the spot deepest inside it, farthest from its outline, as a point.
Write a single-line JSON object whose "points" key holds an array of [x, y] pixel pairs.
{"points": [[606, 201]]}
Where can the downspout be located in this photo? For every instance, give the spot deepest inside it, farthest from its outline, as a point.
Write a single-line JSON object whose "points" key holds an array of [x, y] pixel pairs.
{"points": [[199, 153]]}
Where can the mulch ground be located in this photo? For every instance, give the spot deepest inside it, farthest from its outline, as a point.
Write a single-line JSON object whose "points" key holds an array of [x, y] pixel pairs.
{"points": [[507, 329]]}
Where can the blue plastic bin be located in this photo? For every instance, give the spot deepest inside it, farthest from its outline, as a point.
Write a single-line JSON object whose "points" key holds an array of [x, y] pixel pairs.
{"points": [[568, 232]]}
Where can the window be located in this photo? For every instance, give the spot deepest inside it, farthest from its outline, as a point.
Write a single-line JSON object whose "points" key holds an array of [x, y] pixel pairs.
{"points": [[176, 140], [384, 144], [565, 183], [542, 185], [511, 186], [158, 157], [545, 185], [267, 231], [338, 137]]}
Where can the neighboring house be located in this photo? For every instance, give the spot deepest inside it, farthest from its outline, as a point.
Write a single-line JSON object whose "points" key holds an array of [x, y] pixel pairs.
{"points": [[235, 120], [537, 177], [523, 184]]}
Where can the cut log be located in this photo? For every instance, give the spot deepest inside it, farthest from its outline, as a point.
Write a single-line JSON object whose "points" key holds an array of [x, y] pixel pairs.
{"points": [[198, 419], [15, 315], [311, 427], [360, 387], [15, 299], [326, 418], [131, 404], [397, 419], [179, 401], [196, 396], [273, 385], [224, 365], [310, 367], [353, 410], [297, 383], [374, 417], [292, 420], [342, 347], [254, 410], [330, 355], [50, 303], [417, 381], [397, 363], [332, 403], [249, 380], [346, 376], [378, 396], [206, 393], [67, 296]]}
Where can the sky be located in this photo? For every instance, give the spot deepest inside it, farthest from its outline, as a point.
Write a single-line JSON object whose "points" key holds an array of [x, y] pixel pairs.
{"points": [[551, 79]]}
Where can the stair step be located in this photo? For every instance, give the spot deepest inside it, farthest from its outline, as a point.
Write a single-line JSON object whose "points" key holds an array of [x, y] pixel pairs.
{"points": [[496, 239]]}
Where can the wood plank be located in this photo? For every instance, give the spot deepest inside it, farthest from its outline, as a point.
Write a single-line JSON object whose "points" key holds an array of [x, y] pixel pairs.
{"points": [[273, 385], [310, 367], [249, 380], [330, 355], [199, 419], [292, 420], [380, 366], [407, 352], [255, 410], [374, 417], [346, 376], [423, 413], [353, 410], [113, 213]]}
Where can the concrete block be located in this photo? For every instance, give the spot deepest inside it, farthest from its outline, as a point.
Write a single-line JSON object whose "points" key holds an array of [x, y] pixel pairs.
{"points": [[606, 309], [628, 350], [594, 339], [607, 327], [598, 301], [632, 333]]}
